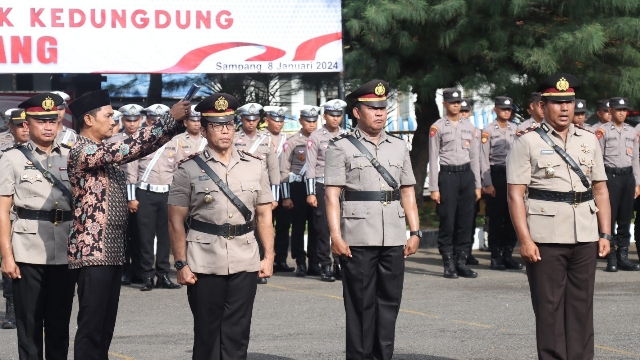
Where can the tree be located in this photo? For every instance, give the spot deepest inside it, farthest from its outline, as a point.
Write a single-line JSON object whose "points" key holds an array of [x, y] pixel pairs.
{"points": [[505, 46]]}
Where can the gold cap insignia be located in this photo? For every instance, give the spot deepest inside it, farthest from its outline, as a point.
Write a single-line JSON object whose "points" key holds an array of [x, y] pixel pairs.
{"points": [[562, 84], [48, 104], [380, 90], [23, 116], [221, 104]]}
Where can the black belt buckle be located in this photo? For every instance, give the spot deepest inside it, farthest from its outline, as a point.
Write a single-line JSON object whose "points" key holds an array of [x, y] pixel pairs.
{"points": [[235, 231], [577, 200], [57, 221]]}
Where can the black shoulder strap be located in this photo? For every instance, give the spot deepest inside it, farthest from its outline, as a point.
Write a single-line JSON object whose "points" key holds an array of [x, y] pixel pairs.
{"points": [[563, 154], [376, 164], [224, 188], [47, 175]]}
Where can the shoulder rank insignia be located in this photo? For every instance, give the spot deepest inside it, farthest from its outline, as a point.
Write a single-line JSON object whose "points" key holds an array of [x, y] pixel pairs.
{"points": [[67, 146], [188, 158], [244, 152], [582, 128], [340, 137], [14, 146], [395, 136], [527, 130]]}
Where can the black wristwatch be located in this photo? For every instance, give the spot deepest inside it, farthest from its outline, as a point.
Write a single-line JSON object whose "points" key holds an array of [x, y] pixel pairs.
{"points": [[606, 236], [416, 233], [180, 264]]}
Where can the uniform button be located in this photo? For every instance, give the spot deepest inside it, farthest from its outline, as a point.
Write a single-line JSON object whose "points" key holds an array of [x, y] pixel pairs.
{"points": [[197, 237], [228, 174], [548, 164], [352, 213], [252, 188], [542, 210], [360, 165], [382, 185], [206, 189], [230, 216], [24, 228], [56, 203], [49, 166]]}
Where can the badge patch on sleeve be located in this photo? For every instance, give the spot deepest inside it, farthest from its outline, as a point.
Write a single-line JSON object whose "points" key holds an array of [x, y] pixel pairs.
{"points": [[485, 137], [433, 131], [599, 133]]}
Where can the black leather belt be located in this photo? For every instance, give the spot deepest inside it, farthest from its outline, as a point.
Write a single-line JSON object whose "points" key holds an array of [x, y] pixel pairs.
{"points": [[500, 169], [455, 168], [382, 196], [55, 216], [571, 197], [226, 230], [618, 171]]}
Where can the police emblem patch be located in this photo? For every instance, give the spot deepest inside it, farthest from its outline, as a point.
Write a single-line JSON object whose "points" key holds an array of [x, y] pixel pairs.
{"points": [[485, 137], [433, 131]]}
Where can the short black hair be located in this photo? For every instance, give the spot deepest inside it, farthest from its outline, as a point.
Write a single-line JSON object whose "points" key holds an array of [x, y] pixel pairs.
{"points": [[79, 123]]}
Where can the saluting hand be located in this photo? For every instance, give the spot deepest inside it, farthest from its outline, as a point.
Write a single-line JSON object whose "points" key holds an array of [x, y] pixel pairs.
{"points": [[10, 269], [186, 276], [529, 251], [180, 110]]}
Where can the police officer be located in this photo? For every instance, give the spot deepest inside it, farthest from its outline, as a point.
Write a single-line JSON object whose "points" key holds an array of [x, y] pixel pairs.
{"points": [[19, 134], [34, 248], [554, 213], [619, 144], [293, 168], [535, 110], [190, 141], [155, 173], [497, 139], [218, 258], [604, 116], [130, 116], [455, 187], [117, 117], [332, 113], [275, 117], [258, 143], [580, 114], [65, 135], [372, 171], [465, 113]]}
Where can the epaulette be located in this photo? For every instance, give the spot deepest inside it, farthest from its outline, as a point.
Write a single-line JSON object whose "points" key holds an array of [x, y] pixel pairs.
{"points": [[527, 130], [340, 137], [14, 146], [582, 128], [395, 136], [245, 152], [66, 146], [189, 158]]}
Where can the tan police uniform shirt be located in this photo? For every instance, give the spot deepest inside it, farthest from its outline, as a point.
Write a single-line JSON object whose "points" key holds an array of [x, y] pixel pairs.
{"points": [[264, 150], [619, 147], [455, 145], [162, 171], [247, 178], [277, 143], [187, 144], [527, 123], [557, 222], [294, 157], [34, 241], [316, 153], [6, 140], [66, 136], [496, 144], [370, 223]]}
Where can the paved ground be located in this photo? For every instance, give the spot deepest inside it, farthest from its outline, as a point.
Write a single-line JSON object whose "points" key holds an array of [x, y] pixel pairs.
{"points": [[485, 318]]}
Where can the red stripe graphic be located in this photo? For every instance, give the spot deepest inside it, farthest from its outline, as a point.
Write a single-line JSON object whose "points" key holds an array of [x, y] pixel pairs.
{"points": [[308, 49]]}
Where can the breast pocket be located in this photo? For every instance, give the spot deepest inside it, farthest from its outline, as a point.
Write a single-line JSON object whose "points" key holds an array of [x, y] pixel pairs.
{"points": [[205, 191], [360, 171], [611, 146], [249, 192], [466, 140], [395, 168], [447, 142], [629, 147], [31, 182], [354, 211], [547, 168]]}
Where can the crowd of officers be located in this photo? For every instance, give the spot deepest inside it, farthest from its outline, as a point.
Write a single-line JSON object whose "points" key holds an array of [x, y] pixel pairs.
{"points": [[467, 163]]}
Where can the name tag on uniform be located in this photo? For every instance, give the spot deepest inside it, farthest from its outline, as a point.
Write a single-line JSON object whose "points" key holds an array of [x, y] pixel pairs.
{"points": [[547, 152], [30, 168], [203, 177], [359, 155]]}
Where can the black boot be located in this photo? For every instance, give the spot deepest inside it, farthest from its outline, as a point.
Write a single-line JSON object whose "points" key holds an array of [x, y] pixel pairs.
{"points": [[471, 260], [623, 260], [496, 259], [449, 266], [507, 259], [125, 279], [147, 284], [301, 270], [282, 267], [165, 283], [9, 321], [262, 281], [314, 270], [612, 261], [327, 274], [337, 270], [461, 266]]}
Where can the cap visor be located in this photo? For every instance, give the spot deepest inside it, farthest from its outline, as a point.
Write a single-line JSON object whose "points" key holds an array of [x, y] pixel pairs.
{"points": [[620, 107], [309, 118], [251, 117], [131, 117], [580, 111], [375, 104], [44, 117], [333, 112], [218, 119], [560, 98], [503, 107]]}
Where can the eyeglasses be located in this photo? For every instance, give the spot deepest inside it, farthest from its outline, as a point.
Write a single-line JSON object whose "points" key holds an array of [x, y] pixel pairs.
{"points": [[217, 127]]}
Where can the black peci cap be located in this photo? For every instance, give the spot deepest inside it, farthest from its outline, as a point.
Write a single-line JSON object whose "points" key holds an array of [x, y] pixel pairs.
{"points": [[88, 102], [373, 93], [218, 107]]}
